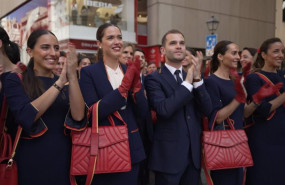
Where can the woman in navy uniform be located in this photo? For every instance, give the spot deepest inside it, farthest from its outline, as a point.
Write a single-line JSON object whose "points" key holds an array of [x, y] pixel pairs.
{"points": [[119, 89], [267, 135], [226, 101], [40, 103]]}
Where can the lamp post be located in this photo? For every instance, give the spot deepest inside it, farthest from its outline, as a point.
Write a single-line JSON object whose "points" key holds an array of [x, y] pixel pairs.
{"points": [[212, 24]]}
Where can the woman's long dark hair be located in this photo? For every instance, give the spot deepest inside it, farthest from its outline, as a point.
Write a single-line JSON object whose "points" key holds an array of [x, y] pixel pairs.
{"points": [[259, 62], [220, 48], [32, 85], [11, 49]]}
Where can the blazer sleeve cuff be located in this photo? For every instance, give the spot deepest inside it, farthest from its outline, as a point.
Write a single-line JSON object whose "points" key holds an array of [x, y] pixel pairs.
{"points": [[74, 125]]}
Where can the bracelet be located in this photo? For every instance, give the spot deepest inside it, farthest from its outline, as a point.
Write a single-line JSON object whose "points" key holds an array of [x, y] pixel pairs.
{"points": [[57, 87]]}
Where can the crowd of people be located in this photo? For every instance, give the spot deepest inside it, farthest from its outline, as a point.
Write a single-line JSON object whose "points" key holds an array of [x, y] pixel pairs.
{"points": [[162, 105]]}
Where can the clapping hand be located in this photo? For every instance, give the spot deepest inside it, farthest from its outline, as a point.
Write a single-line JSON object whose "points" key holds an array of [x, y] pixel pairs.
{"points": [[238, 85], [265, 91], [128, 79], [71, 62], [136, 86], [197, 62]]}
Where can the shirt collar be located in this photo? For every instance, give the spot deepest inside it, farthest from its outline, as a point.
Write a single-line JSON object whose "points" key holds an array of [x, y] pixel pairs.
{"points": [[173, 69]]}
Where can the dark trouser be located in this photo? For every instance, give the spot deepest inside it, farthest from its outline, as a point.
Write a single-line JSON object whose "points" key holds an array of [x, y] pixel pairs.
{"points": [[188, 176], [227, 177], [123, 178]]}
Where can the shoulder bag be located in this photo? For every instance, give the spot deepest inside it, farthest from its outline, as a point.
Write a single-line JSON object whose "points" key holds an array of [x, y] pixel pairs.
{"points": [[224, 149], [8, 167], [100, 149]]}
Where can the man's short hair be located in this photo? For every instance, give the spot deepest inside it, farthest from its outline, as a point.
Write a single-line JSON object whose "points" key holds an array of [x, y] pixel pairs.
{"points": [[140, 50], [173, 31]]}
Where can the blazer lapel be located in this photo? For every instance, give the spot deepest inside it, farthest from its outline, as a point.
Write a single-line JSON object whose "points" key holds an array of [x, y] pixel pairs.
{"points": [[168, 77]]}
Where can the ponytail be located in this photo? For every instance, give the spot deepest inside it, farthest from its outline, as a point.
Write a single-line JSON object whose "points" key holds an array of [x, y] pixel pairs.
{"points": [[32, 85], [12, 51], [99, 55]]}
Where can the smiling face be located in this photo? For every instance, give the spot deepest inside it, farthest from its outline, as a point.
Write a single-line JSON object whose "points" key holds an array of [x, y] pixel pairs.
{"points": [[111, 42], [231, 57], [174, 49], [59, 66], [275, 55], [246, 57], [45, 53], [187, 62]]}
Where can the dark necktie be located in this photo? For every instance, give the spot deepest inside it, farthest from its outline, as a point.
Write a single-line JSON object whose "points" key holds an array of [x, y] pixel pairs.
{"points": [[179, 80]]}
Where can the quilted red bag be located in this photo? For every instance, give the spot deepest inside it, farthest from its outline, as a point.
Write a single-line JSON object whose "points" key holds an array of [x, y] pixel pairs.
{"points": [[225, 149], [103, 149], [8, 167]]}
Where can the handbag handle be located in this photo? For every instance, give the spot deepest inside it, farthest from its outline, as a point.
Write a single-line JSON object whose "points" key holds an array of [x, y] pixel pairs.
{"points": [[228, 120]]}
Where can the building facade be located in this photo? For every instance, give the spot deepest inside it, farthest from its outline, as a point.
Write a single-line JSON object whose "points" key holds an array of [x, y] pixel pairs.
{"points": [[144, 22]]}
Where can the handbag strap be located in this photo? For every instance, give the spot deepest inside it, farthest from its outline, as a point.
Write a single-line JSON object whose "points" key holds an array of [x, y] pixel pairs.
{"points": [[95, 139], [228, 120], [17, 137], [94, 144], [267, 80]]}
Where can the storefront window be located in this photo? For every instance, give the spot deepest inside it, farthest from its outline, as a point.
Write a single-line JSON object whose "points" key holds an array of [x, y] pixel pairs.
{"points": [[94, 13], [70, 20]]}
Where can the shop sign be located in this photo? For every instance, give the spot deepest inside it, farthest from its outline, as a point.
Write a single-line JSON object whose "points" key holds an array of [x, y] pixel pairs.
{"points": [[97, 4]]}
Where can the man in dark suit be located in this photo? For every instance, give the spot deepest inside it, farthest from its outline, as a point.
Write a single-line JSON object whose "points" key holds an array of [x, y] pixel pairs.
{"points": [[175, 151]]}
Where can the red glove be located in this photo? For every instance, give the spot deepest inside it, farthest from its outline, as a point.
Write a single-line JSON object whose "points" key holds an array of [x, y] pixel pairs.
{"points": [[240, 94], [265, 91], [127, 80], [207, 69], [153, 117], [136, 86], [246, 70], [21, 66]]}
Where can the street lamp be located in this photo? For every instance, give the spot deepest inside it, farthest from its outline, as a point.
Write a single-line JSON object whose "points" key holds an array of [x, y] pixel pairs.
{"points": [[212, 24]]}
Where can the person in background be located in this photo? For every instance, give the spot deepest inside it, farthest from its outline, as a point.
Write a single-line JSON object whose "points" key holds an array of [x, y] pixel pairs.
{"points": [[74, 11], [9, 60], [140, 53], [119, 89], [267, 135], [187, 62], [151, 67], [145, 124], [60, 63], [178, 99], [44, 106], [127, 53], [83, 61], [247, 56]]}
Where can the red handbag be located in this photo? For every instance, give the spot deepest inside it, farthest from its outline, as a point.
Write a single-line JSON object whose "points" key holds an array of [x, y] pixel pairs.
{"points": [[8, 167], [103, 149], [226, 149]]}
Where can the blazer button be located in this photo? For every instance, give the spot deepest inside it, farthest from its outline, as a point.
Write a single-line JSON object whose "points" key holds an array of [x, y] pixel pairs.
{"points": [[188, 117]]}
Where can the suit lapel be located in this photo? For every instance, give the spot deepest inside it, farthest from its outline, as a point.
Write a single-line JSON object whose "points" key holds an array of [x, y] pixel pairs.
{"points": [[168, 77]]}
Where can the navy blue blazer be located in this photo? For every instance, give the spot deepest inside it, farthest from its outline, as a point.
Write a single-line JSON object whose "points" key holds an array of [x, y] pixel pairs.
{"points": [[178, 129], [95, 86]]}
